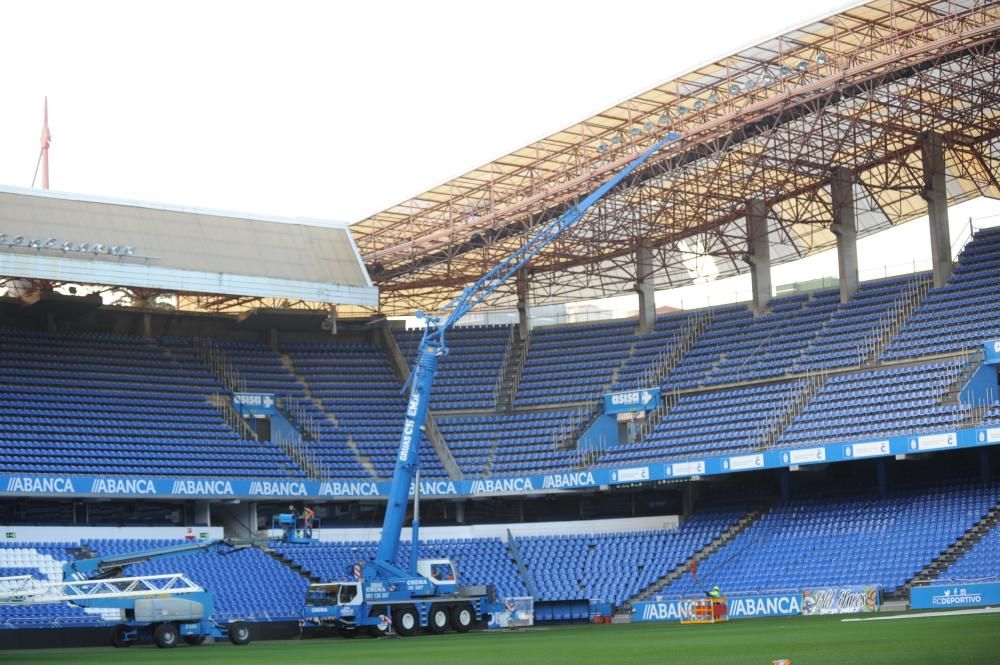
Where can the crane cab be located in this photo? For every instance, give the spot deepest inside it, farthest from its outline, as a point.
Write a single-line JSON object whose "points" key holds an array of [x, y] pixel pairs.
{"points": [[439, 572]]}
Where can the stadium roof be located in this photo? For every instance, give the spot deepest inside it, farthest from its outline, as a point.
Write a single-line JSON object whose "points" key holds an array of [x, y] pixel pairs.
{"points": [[221, 258], [856, 89]]}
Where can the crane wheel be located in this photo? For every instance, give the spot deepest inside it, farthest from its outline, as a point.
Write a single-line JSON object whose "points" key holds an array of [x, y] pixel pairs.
{"points": [[437, 622], [165, 636], [462, 618], [239, 633], [405, 620]]}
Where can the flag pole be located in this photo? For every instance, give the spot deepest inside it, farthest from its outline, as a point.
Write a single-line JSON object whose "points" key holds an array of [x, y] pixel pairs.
{"points": [[46, 140]]}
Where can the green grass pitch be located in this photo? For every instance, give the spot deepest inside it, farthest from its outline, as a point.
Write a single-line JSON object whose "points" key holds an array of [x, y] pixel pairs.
{"points": [[970, 639]]}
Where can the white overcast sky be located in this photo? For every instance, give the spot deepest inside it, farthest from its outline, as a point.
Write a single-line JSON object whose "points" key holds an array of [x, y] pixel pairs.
{"points": [[330, 109]]}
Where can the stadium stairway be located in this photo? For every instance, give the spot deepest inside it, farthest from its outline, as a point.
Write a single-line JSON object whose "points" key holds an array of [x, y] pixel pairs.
{"points": [[510, 371], [329, 418], [289, 563], [708, 550], [955, 551]]}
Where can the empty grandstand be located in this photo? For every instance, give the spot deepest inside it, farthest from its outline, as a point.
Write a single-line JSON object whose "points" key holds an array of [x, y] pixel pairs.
{"points": [[799, 443]]}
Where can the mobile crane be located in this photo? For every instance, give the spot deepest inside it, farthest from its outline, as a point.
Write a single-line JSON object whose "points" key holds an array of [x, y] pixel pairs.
{"points": [[161, 608], [424, 593]]}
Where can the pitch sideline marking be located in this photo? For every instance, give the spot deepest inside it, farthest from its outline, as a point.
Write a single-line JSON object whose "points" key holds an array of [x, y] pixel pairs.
{"points": [[950, 613]]}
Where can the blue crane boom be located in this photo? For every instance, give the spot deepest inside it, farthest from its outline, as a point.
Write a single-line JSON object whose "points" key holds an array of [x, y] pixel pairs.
{"points": [[432, 348]]}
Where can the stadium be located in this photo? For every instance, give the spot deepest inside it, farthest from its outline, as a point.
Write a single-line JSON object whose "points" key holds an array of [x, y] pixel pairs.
{"points": [[565, 407]]}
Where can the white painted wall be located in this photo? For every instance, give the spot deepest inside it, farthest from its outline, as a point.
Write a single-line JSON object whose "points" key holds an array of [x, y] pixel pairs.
{"points": [[72, 534], [657, 523]]}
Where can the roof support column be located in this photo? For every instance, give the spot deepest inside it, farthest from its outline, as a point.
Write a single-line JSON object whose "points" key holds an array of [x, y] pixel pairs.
{"points": [[523, 286], [845, 228], [934, 193], [645, 286], [759, 257]]}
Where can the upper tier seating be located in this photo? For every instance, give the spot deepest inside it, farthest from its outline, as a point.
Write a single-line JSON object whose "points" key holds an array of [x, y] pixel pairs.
{"points": [[262, 369], [573, 363], [355, 383], [711, 423], [467, 377], [114, 404], [515, 443], [878, 403], [650, 350], [861, 539], [963, 313]]}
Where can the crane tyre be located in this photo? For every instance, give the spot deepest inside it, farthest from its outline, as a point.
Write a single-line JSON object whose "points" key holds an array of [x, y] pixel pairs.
{"points": [[165, 636]]}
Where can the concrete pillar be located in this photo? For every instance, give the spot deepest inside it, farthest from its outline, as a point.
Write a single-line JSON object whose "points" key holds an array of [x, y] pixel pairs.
{"points": [[785, 484], [984, 465], [147, 325], [202, 514], [759, 257], [883, 481], [460, 512], [934, 193], [845, 228], [523, 286], [646, 288]]}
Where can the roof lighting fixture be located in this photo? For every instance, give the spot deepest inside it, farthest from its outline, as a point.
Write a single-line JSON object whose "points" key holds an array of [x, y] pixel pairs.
{"points": [[50, 243], [749, 84], [648, 125], [713, 98], [785, 70], [802, 66], [68, 247], [634, 131], [734, 89], [616, 139], [602, 147], [35, 243], [768, 78], [3, 238], [699, 105], [83, 247], [97, 248], [682, 110], [128, 250], [18, 241], [664, 119], [820, 58]]}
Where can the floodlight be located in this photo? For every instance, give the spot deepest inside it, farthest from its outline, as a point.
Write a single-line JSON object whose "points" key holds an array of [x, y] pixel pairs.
{"points": [[713, 98], [802, 66], [682, 110], [98, 248], [83, 247], [734, 89], [749, 84], [68, 247], [768, 78], [821, 59], [50, 243], [35, 243], [648, 125], [128, 250], [3, 238], [699, 105], [602, 147], [615, 140], [785, 70], [18, 240], [664, 119]]}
